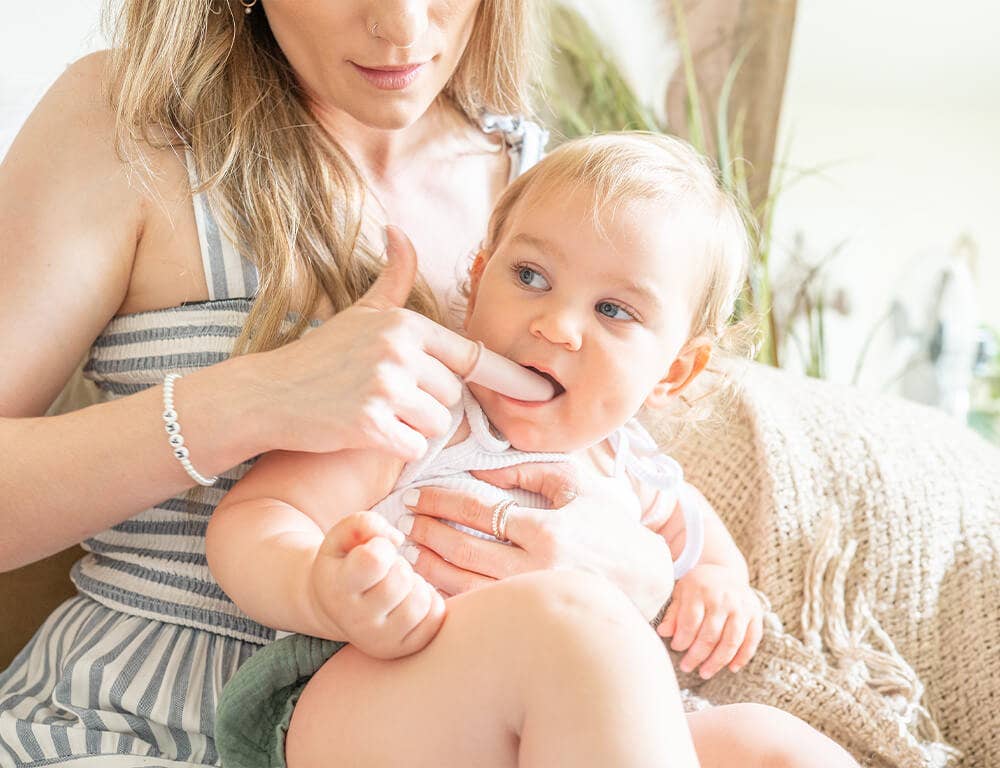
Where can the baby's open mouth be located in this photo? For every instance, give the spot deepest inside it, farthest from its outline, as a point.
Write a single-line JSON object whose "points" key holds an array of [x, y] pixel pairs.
{"points": [[559, 388]]}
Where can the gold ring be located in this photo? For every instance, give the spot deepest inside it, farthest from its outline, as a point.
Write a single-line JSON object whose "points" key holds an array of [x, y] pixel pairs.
{"points": [[500, 512]]}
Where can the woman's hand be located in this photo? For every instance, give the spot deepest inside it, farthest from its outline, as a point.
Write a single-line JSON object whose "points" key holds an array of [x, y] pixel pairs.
{"points": [[593, 526], [373, 376], [716, 617], [369, 594]]}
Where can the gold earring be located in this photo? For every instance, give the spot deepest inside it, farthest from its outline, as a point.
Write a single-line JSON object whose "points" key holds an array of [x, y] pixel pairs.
{"points": [[248, 5]]}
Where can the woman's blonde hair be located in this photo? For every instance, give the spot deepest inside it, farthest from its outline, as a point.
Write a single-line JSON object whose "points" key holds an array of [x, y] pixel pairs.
{"points": [[202, 75], [618, 168]]}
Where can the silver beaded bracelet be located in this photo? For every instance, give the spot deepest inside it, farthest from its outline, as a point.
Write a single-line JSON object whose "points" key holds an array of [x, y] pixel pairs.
{"points": [[176, 439]]}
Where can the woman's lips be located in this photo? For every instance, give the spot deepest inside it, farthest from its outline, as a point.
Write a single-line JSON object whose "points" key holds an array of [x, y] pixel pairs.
{"points": [[389, 78]]}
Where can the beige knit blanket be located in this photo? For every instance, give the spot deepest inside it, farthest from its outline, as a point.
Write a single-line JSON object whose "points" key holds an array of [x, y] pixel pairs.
{"points": [[873, 527]]}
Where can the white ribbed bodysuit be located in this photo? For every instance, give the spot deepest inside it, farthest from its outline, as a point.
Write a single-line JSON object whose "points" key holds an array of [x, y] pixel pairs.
{"points": [[634, 450]]}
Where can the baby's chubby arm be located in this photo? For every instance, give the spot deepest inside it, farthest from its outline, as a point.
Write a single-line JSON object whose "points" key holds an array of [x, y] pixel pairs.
{"points": [[664, 514], [714, 614], [289, 546]]}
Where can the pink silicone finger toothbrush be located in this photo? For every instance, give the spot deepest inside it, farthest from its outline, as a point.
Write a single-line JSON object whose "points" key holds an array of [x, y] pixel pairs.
{"points": [[507, 377]]}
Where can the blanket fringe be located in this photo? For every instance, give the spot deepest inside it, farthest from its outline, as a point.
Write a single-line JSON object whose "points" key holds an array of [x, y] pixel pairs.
{"points": [[863, 650]]}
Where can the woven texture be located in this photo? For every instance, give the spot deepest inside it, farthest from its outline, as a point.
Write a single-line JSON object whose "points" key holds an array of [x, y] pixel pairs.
{"points": [[872, 525]]}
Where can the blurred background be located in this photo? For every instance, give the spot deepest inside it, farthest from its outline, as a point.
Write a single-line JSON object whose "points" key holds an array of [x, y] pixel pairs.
{"points": [[861, 136]]}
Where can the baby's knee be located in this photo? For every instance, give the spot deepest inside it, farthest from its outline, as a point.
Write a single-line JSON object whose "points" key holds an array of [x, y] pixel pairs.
{"points": [[779, 739]]}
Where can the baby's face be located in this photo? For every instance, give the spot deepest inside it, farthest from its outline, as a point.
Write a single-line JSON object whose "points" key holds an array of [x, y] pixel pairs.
{"points": [[601, 308]]}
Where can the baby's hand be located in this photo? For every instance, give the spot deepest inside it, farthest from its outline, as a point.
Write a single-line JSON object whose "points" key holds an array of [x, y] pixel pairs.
{"points": [[716, 615], [361, 583]]}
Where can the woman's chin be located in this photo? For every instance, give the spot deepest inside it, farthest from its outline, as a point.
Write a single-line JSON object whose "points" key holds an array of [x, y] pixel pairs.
{"points": [[391, 110]]}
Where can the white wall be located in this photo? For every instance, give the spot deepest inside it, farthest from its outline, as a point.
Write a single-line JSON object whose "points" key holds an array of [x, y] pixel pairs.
{"points": [[899, 103], [37, 41]]}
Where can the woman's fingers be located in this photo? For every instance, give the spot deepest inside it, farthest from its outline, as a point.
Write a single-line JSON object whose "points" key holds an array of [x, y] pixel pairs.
{"points": [[474, 554], [456, 352], [397, 439], [393, 286], [444, 576], [437, 380], [557, 482], [520, 523], [425, 414]]}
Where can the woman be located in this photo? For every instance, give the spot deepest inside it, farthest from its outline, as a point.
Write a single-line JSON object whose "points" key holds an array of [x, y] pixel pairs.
{"points": [[308, 124]]}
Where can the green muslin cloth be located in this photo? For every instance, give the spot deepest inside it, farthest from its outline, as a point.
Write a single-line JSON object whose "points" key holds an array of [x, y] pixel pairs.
{"points": [[256, 704]]}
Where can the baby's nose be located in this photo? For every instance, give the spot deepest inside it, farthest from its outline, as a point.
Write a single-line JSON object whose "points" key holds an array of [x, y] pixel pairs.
{"points": [[559, 327]]}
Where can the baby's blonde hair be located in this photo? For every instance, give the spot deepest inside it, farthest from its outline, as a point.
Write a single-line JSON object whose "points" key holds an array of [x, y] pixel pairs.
{"points": [[619, 168]]}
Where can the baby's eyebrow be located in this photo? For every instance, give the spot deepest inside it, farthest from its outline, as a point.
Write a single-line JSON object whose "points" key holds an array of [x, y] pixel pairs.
{"points": [[540, 244]]}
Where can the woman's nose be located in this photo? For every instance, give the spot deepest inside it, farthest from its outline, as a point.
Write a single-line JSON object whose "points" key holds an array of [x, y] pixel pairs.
{"points": [[559, 326], [400, 22]]}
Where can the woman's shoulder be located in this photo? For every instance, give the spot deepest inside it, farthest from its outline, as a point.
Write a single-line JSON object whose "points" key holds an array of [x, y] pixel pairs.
{"points": [[65, 151], [71, 218]]}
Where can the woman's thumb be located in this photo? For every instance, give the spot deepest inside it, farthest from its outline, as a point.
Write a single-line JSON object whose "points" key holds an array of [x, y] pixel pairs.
{"points": [[354, 530], [393, 286]]}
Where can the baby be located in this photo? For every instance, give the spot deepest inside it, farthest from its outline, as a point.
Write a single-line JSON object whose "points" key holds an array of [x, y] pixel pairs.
{"points": [[611, 269]]}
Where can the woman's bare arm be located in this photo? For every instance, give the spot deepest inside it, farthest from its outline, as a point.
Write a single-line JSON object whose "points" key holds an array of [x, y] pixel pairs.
{"points": [[70, 223], [374, 376]]}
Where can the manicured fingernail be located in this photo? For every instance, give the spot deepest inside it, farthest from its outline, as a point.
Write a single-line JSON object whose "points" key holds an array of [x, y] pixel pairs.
{"points": [[410, 553], [735, 668], [405, 524], [385, 235], [410, 497], [705, 674]]}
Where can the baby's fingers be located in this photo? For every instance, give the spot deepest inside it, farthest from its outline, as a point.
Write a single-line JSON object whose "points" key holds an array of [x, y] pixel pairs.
{"points": [[732, 636], [705, 642], [750, 643], [690, 614], [381, 599], [668, 626], [356, 529], [417, 619], [366, 565]]}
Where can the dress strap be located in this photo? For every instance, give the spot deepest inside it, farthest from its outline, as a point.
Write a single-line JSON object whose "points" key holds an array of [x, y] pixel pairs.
{"points": [[227, 274], [525, 140]]}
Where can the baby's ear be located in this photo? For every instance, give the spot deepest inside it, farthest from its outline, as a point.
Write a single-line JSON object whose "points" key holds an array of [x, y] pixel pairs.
{"points": [[475, 275], [691, 361]]}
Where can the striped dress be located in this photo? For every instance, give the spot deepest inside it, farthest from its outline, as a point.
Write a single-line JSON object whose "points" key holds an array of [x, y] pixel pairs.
{"points": [[129, 672]]}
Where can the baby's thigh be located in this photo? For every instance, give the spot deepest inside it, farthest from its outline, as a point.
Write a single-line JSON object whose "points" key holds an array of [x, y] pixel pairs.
{"points": [[462, 699], [759, 736], [361, 711]]}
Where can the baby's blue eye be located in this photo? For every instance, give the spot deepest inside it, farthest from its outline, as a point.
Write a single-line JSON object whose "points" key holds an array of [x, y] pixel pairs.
{"points": [[528, 276], [612, 310]]}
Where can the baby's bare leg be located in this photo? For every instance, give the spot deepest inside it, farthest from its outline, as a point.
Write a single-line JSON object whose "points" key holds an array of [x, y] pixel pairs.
{"points": [[758, 736], [545, 669]]}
